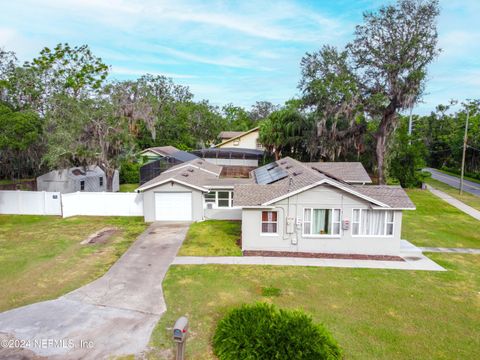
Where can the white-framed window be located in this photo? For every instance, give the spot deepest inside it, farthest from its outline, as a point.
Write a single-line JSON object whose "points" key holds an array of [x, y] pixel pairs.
{"points": [[220, 198], [100, 179], [269, 222], [82, 185], [367, 222], [321, 222]]}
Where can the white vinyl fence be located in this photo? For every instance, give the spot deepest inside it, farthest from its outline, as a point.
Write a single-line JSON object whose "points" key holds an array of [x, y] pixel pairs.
{"points": [[102, 204], [30, 202]]}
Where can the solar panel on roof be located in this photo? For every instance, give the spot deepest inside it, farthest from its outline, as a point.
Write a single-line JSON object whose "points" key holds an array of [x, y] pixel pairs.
{"points": [[268, 174]]}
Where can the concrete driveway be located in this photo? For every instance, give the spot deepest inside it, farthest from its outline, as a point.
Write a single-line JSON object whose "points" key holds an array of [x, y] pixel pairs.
{"points": [[114, 315], [468, 186]]}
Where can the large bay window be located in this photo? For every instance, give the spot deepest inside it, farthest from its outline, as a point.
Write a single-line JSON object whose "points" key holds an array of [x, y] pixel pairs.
{"points": [[269, 222], [366, 222], [220, 198], [318, 222]]}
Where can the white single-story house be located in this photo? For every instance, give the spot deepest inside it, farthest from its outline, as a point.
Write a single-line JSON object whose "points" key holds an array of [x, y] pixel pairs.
{"points": [[299, 207], [90, 178], [242, 140], [286, 206]]}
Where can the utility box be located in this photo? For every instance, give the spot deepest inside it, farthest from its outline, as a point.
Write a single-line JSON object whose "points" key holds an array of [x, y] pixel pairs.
{"points": [[290, 225], [345, 224]]}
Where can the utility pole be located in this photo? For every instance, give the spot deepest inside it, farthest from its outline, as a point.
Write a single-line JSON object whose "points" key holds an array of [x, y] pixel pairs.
{"points": [[464, 151], [410, 124]]}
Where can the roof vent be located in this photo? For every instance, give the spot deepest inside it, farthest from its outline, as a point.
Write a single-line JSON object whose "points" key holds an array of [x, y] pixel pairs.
{"points": [[283, 162], [296, 173], [200, 162], [190, 170], [185, 174], [288, 166]]}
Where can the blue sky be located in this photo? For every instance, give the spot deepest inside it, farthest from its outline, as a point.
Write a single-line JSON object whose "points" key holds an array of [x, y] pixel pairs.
{"points": [[230, 51]]}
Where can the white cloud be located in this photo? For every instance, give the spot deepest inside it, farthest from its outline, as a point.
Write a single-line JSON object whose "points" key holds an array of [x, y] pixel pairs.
{"points": [[119, 70]]}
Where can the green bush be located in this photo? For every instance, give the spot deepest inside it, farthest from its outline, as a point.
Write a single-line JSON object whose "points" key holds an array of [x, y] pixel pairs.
{"points": [[263, 331], [130, 173]]}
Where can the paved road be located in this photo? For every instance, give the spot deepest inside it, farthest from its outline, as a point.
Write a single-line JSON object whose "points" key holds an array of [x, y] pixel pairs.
{"points": [[468, 186], [116, 312]]}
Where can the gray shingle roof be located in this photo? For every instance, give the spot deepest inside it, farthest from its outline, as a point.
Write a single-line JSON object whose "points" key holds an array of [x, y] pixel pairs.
{"points": [[198, 163], [229, 134], [392, 195], [302, 175], [163, 150], [350, 172]]}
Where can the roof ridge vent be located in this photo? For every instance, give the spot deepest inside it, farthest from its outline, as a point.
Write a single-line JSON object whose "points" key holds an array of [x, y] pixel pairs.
{"points": [[185, 174]]}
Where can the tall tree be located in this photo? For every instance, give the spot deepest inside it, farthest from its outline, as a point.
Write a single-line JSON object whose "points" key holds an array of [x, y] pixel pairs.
{"points": [[83, 132], [331, 93], [391, 52]]}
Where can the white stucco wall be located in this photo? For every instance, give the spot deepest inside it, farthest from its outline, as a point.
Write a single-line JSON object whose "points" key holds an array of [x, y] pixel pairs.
{"points": [[319, 197], [248, 141], [149, 200], [233, 162]]}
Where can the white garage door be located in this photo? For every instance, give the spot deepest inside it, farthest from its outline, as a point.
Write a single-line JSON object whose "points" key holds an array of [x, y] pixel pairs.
{"points": [[173, 206]]}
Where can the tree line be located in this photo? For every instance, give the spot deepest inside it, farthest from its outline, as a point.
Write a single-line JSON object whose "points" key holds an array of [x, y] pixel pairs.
{"points": [[61, 109]]}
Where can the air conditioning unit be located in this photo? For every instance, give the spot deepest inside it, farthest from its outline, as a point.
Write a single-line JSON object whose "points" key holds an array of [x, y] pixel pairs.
{"points": [[209, 206]]}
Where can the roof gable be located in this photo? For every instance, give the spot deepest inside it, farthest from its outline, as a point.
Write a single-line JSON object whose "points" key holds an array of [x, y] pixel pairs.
{"points": [[238, 136]]}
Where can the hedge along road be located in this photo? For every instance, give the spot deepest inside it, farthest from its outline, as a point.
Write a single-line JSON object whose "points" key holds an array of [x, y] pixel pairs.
{"points": [[468, 186], [112, 316]]}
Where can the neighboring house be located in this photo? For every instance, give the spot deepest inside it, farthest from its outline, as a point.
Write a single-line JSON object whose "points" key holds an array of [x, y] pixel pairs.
{"points": [[158, 152], [231, 156], [242, 140], [90, 178], [191, 191], [297, 207], [160, 159]]}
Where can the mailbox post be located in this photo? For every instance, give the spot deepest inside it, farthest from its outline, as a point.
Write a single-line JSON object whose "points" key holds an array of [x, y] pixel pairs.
{"points": [[180, 332]]}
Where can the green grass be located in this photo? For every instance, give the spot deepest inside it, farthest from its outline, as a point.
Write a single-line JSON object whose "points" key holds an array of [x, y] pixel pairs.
{"points": [[374, 314], [16, 181], [458, 176], [212, 238], [467, 198], [128, 187], [41, 256], [436, 223]]}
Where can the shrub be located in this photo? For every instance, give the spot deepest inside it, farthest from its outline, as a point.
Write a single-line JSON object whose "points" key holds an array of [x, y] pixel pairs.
{"points": [[130, 173], [263, 331]]}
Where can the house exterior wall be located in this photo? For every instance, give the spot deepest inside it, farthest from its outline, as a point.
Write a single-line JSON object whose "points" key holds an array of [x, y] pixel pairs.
{"points": [[233, 162], [149, 200], [248, 141], [223, 214], [319, 197]]}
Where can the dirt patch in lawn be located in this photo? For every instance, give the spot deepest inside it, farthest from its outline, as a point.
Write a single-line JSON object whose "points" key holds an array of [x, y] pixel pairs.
{"points": [[101, 236]]}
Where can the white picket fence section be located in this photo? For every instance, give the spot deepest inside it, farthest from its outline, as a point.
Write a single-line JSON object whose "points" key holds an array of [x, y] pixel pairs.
{"points": [[30, 202], [102, 204]]}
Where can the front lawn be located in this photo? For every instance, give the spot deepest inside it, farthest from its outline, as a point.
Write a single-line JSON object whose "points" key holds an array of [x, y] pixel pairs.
{"points": [[41, 257], [213, 238], [436, 223], [374, 314], [466, 197]]}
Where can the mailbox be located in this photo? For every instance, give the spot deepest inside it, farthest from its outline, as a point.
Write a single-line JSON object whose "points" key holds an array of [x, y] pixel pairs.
{"points": [[180, 329]]}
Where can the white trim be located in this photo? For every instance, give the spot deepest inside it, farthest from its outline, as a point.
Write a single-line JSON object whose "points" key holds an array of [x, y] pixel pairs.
{"points": [[398, 209], [173, 180], [174, 168], [219, 187], [384, 224], [255, 207], [330, 182]]}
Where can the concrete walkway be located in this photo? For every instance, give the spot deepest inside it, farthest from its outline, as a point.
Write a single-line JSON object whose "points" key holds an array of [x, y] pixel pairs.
{"points": [[454, 181], [454, 202], [112, 316], [419, 262], [451, 250]]}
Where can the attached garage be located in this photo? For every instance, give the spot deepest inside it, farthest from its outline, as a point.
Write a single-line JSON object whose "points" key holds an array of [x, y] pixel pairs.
{"points": [[173, 206]]}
